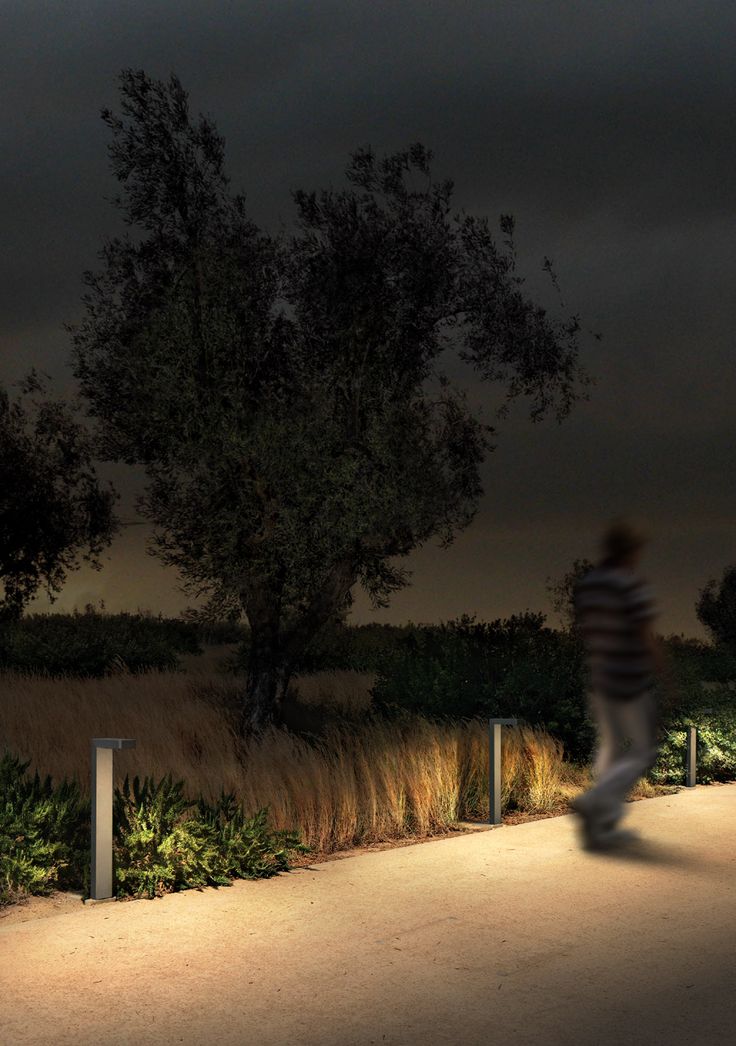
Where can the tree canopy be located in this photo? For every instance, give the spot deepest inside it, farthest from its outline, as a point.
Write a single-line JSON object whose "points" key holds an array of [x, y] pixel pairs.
{"points": [[716, 609], [562, 593], [54, 512], [277, 388]]}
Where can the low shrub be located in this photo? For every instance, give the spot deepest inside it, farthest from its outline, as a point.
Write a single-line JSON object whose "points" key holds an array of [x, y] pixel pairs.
{"points": [[44, 833], [160, 843], [716, 741]]}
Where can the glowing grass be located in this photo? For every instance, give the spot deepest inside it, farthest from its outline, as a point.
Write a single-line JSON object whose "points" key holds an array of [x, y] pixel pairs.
{"points": [[363, 780]]}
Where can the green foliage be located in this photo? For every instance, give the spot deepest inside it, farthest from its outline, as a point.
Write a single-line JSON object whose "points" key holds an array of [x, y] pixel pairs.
{"points": [[361, 648], [247, 848], [515, 667], [337, 646], [697, 669], [44, 833], [156, 849], [716, 742], [161, 845], [92, 644], [694, 659], [221, 632], [562, 592]]}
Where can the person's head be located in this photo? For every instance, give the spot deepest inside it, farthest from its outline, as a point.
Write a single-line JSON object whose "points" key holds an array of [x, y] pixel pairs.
{"points": [[623, 542]]}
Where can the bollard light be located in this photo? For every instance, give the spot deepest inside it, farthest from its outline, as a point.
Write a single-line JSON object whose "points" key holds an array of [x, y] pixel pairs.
{"points": [[691, 752], [101, 877], [494, 767], [692, 742]]}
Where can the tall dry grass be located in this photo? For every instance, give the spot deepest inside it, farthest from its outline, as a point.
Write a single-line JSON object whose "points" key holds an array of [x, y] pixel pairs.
{"points": [[362, 780], [52, 722], [337, 690]]}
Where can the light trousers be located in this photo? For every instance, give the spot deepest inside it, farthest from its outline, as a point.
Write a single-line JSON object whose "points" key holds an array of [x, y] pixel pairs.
{"points": [[617, 767]]}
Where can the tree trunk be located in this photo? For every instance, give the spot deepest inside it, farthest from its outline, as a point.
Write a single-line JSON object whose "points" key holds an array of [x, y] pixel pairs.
{"points": [[265, 680], [274, 652], [265, 690]]}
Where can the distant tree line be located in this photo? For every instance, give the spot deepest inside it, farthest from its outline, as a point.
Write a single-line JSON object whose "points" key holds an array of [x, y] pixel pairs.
{"points": [[457, 669]]}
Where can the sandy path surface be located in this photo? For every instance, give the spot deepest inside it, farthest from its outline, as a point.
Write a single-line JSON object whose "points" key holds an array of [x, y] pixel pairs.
{"points": [[506, 936]]}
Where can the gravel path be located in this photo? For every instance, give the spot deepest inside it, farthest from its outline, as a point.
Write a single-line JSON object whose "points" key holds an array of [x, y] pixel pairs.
{"points": [[510, 936]]}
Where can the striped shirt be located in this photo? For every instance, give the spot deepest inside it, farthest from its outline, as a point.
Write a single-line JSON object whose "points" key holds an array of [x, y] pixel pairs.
{"points": [[611, 602]]}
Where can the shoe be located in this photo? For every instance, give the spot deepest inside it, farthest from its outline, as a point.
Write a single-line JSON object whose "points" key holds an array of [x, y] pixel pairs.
{"points": [[582, 804], [606, 839], [595, 824], [585, 806]]}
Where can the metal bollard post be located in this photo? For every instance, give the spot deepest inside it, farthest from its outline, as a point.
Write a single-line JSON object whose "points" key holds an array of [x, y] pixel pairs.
{"points": [[692, 741], [101, 877], [494, 767], [691, 753]]}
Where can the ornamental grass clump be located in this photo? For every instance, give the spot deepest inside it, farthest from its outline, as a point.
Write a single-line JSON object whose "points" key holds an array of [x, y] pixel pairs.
{"points": [[532, 770], [541, 775], [379, 779]]}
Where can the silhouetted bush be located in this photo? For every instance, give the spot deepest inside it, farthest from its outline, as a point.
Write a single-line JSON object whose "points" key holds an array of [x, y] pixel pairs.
{"points": [[695, 660], [95, 644], [516, 667], [357, 648], [360, 648]]}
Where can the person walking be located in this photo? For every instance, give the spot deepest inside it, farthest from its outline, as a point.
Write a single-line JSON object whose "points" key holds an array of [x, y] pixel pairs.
{"points": [[614, 610]]}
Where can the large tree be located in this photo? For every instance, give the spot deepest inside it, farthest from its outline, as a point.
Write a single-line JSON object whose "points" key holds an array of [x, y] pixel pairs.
{"points": [[54, 512], [283, 392]]}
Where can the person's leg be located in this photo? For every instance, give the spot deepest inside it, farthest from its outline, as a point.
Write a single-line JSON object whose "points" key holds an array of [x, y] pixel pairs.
{"points": [[598, 811], [608, 744], [636, 720]]}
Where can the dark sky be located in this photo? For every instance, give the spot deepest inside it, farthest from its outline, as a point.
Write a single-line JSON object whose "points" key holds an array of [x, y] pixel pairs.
{"points": [[607, 129]]}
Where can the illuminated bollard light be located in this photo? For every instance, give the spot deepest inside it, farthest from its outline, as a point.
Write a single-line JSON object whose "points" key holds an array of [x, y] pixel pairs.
{"points": [[494, 776], [101, 877]]}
